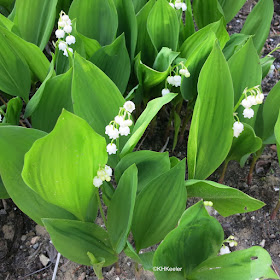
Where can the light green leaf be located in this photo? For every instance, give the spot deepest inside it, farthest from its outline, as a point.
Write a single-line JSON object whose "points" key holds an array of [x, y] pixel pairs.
{"points": [[35, 20], [212, 118], [227, 201], [127, 24], [56, 96], [206, 12], [120, 211], [159, 206], [96, 19], [14, 72], [74, 239], [247, 264], [95, 97], [246, 143], [97, 264], [188, 245], [33, 56], [114, 61], [138, 4], [231, 8], [61, 169], [13, 111], [163, 26], [11, 164], [266, 63], [143, 121], [149, 164], [144, 43], [258, 23]]}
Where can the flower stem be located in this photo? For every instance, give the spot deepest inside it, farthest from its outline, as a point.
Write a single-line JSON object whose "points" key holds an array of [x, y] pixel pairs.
{"points": [[221, 180], [101, 209]]}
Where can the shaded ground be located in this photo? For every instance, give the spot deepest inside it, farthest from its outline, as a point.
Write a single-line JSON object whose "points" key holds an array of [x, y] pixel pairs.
{"points": [[25, 248]]}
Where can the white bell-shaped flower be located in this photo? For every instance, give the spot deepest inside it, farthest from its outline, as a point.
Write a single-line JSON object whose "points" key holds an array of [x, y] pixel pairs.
{"points": [[59, 33], [111, 148], [97, 182], [129, 106], [67, 28], [165, 91], [124, 130], [248, 113], [62, 46], [70, 40]]}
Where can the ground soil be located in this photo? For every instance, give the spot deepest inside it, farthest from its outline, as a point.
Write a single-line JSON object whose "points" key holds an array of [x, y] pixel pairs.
{"points": [[27, 253]]}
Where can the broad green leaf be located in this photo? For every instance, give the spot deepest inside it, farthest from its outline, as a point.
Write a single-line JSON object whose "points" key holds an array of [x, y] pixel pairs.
{"points": [[163, 26], [90, 45], [14, 143], [143, 121], [227, 201], [144, 43], [63, 5], [5, 22], [277, 135], [266, 63], [33, 56], [96, 19], [95, 97], [249, 264], [212, 118], [35, 20], [127, 24], [60, 168], [189, 245], [246, 143], [206, 12], [6, 2], [164, 59], [231, 8], [270, 112], [114, 61], [55, 97], [97, 264], [245, 69], [74, 239], [3, 191], [14, 72], [149, 164], [235, 42], [159, 206], [258, 23], [138, 4], [120, 211], [13, 111], [177, 124], [187, 27]]}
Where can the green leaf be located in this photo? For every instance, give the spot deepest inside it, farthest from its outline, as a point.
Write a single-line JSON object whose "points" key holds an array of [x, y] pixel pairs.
{"points": [[149, 164], [227, 201], [13, 111], [61, 169], [187, 28], [266, 63], [33, 56], [159, 206], [127, 24], [189, 245], [177, 124], [35, 20], [212, 118], [246, 264], [138, 4], [11, 164], [3, 191], [95, 97], [163, 26], [143, 121], [258, 23], [14, 73], [277, 135], [83, 238], [56, 96], [114, 61], [206, 12], [231, 8], [144, 43], [235, 42], [270, 112], [96, 19], [120, 211], [245, 69], [97, 264], [246, 143]]}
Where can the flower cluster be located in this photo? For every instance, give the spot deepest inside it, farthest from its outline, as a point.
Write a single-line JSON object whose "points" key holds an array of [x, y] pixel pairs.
{"points": [[176, 80], [64, 29], [256, 97], [103, 174], [231, 242], [238, 127], [179, 5], [119, 126]]}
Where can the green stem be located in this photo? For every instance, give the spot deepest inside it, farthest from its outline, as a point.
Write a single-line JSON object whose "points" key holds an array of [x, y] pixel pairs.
{"points": [[101, 209], [277, 48], [221, 180], [238, 103]]}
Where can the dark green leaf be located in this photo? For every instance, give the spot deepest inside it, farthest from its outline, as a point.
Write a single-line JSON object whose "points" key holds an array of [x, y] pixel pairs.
{"points": [[13, 111], [3, 191], [266, 63], [231, 8]]}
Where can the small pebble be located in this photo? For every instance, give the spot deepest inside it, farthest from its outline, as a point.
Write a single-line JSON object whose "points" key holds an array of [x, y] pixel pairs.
{"points": [[23, 238], [272, 236], [34, 240], [262, 243], [44, 260], [35, 246], [253, 218]]}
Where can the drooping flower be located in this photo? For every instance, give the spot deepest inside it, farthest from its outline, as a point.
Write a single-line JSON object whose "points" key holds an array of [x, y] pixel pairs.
{"points": [[129, 106], [165, 91], [70, 40], [124, 130], [246, 103], [97, 182], [224, 250], [185, 72], [248, 113], [120, 120], [59, 33], [177, 80], [67, 28], [111, 148], [62, 46], [259, 98], [238, 127]]}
